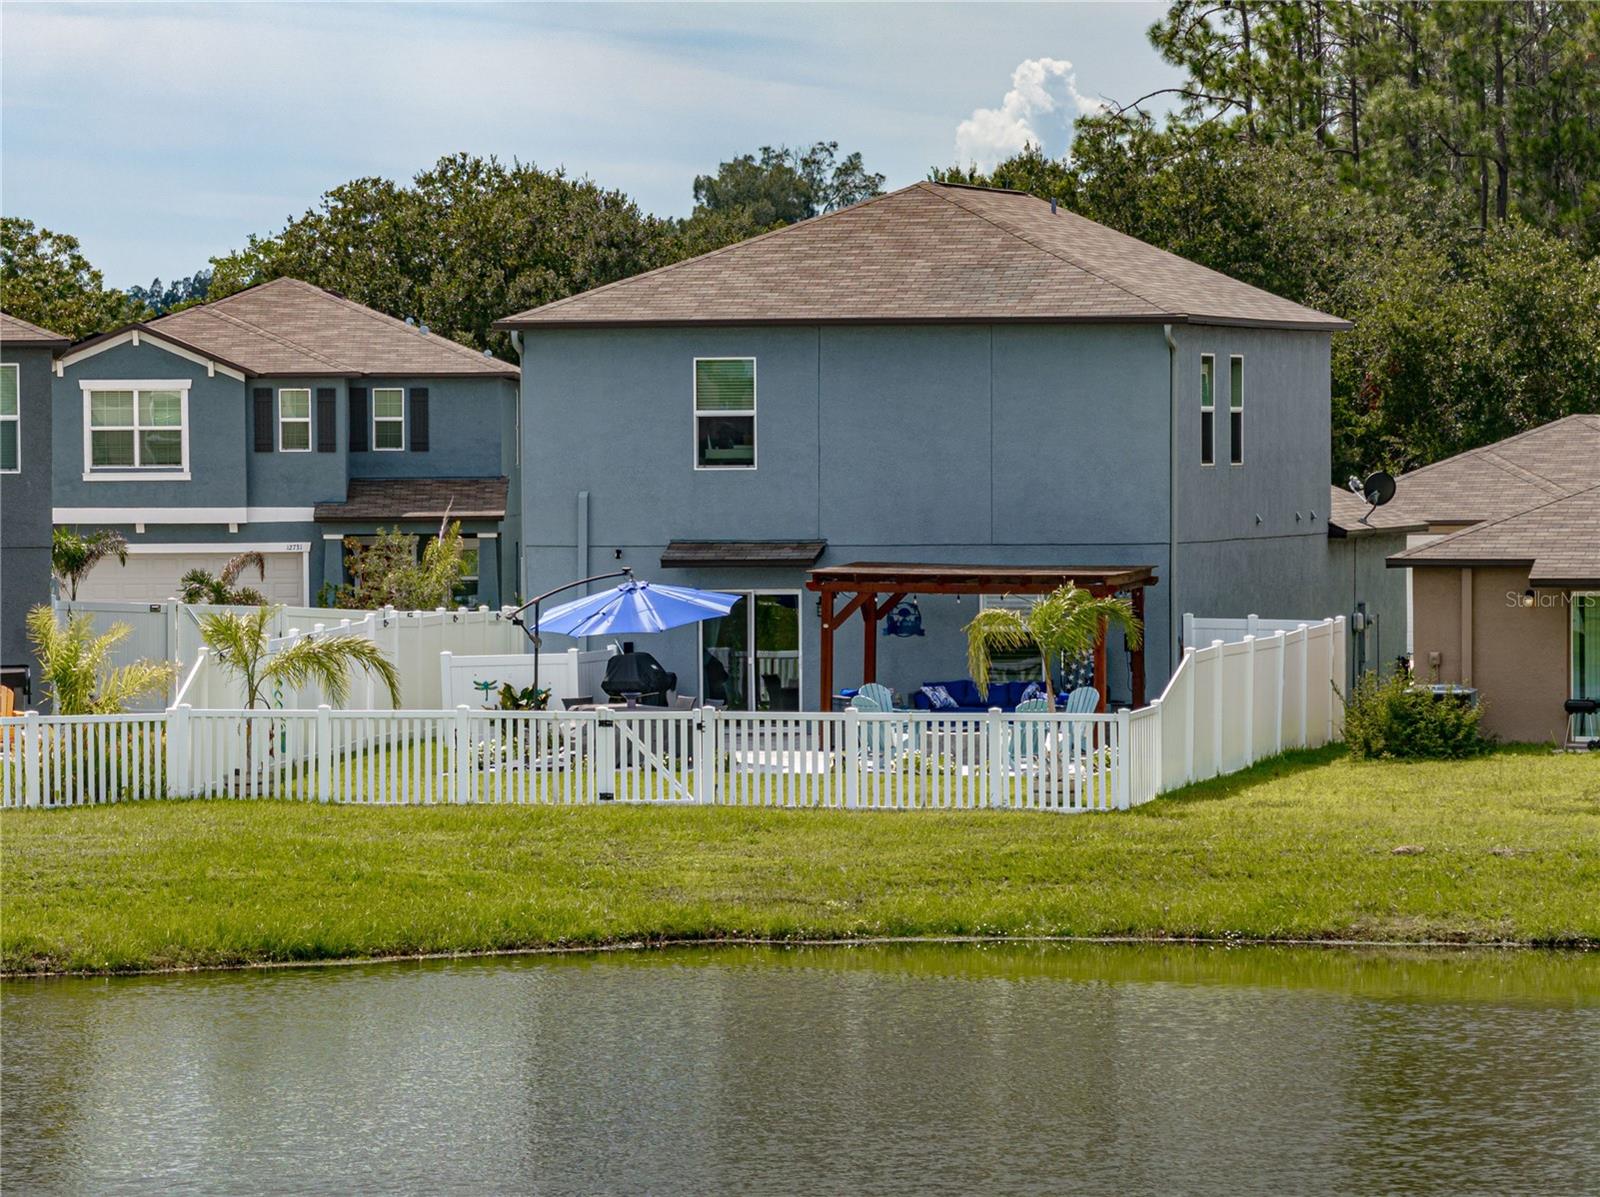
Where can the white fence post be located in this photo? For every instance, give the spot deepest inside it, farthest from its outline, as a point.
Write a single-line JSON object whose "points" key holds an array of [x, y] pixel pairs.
{"points": [[31, 759], [1188, 630], [1250, 697], [1120, 761], [464, 754], [324, 752], [1282, 649], [178, 751], [1188, 666], [995, 732], [852, 756], [1305, 682], [707, 765], [1216, 709]]}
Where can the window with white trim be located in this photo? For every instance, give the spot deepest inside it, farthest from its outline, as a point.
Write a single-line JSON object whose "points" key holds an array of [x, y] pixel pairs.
{"points": [[294, 420], [10, 420], [724, 413], [136, 428], [1208, 409], [1236, 410], [388, 418]]}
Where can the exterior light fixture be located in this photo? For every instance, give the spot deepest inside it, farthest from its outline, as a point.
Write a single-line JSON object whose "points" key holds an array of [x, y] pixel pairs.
{"points": [[1527, 598]]}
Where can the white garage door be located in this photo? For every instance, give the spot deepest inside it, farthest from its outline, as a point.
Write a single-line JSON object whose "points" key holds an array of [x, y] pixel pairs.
{"points": [[152, 577]]}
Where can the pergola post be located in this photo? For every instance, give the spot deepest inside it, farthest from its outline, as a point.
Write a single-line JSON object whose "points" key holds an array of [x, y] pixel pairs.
{"points": [[825, 666], [1136, 662], [869, 641]]}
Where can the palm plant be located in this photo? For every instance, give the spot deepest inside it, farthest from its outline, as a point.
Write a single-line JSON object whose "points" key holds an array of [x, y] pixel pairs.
{"points": [[1066, 622], [74, 663], [238, 643], [202, 586], [73, 555]]}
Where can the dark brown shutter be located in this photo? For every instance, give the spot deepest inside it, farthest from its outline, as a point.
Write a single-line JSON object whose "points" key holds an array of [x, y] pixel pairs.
{"points": [[358, 419], [327, 420], [263, 419], [417, 417]]}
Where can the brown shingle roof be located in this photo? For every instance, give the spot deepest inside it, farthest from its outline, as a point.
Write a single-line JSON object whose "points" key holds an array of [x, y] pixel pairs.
{"points": [[1522, 471], [1560, 539], [15, 331], [418, 499], [931, 252], [290, 327]]}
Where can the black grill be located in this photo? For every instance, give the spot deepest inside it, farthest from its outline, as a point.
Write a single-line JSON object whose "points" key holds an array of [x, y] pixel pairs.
{"points": [[641, 674]]}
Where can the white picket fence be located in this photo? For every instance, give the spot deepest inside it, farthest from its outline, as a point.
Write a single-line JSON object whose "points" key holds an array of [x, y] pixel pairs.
{"points": [[848, 760], [1226, 706]]}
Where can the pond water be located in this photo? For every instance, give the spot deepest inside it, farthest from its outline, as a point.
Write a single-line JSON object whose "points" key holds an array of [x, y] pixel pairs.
{"points": [[927, 1069]]}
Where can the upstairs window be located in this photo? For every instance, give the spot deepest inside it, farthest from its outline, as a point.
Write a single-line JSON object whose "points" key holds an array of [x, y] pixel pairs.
{"points": [[725, 413], [10, 421], [1236, 410], [131, 426], [388, 418], [294, 420], [1208, 410]]}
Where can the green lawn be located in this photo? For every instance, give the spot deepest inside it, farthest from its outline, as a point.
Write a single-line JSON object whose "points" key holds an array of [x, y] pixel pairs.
{"points": [[1303, 847]]}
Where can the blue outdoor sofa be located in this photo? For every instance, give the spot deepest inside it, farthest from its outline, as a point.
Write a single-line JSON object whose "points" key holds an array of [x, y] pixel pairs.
{"points": [[1004, 695]]}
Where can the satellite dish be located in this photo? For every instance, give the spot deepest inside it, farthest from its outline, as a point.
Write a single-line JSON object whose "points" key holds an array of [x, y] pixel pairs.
{"points": [[1378, 489]]}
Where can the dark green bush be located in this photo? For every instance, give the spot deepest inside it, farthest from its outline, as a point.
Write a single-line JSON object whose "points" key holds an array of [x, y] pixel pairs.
{"points": [[1394, 720]]}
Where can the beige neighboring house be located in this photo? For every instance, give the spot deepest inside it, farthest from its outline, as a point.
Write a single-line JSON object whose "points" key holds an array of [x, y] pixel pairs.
{"points": [[1505, 575]]}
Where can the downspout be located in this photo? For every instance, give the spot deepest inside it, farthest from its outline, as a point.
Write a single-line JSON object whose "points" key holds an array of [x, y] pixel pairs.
{"points": [[1174, 623]]}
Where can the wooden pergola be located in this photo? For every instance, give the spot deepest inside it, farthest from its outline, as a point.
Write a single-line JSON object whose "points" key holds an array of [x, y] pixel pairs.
{"points": [[865, 581]]}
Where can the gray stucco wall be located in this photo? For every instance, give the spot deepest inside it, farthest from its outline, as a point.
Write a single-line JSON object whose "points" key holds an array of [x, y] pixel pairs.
{"points": [[217, 434], [1023, 445], [471, 434], [25, 509]]}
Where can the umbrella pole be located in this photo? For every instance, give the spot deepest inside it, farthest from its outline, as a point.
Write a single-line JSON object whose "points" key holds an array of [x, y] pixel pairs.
{"points": [[625, 572]]}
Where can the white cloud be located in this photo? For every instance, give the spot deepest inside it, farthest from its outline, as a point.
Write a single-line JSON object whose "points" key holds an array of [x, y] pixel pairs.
{"points": [[1044, 97]]}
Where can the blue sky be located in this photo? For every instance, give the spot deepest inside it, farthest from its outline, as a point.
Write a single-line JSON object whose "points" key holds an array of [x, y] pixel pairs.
{"points": [[163, 134]]}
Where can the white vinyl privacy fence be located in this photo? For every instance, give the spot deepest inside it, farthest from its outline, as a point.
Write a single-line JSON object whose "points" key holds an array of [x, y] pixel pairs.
{"points": [[1226, 706], [413, 640]]}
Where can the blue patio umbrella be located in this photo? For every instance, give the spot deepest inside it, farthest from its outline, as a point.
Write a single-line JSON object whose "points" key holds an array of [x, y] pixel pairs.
{"points": [[632, 606], [635, 606]]}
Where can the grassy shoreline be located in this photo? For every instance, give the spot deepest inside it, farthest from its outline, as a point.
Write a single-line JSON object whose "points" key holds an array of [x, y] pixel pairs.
{"points": [[1298, 849]]}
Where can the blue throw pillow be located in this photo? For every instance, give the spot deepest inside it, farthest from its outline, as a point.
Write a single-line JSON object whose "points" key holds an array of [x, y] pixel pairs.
{"points": [[939, 699], [1034, 690]]}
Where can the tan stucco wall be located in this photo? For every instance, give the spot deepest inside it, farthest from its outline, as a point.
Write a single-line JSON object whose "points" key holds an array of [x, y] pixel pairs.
{"points": [[1518, 654]]}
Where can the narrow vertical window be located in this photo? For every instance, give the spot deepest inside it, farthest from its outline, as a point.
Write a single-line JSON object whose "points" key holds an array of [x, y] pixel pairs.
{"points": [[388, 418], [1208, 409], [294, 421], [10, 421], [725, 413], [1236, 410]]}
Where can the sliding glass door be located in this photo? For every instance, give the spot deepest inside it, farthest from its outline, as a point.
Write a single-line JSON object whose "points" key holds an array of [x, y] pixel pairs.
{"points": [[750, 658]]}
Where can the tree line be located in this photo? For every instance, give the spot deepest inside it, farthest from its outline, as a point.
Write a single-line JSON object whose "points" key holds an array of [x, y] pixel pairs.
{"points": [[1429, 171]]}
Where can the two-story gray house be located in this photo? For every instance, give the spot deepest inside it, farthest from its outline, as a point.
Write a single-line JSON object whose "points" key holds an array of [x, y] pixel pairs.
{"points": [[25, 354], [944, 374], [282, 419]]}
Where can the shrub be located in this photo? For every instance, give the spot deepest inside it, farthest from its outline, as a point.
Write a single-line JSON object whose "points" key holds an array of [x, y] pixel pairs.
{"points": [[1394, 720]]}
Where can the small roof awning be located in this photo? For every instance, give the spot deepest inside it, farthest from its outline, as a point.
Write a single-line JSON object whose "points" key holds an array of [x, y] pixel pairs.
{"points": [[742, 552], [915, 578], [418, 499]]}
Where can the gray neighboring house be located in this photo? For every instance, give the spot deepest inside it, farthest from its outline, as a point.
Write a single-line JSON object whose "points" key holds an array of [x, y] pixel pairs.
{"points": [[283, 419], [25, 354], [944, 374]]}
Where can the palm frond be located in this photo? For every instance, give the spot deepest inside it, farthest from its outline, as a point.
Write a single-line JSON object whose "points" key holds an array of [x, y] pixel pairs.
{"points": [[326, 661], [993, 630], [240, 562]]}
